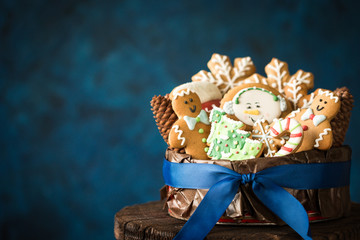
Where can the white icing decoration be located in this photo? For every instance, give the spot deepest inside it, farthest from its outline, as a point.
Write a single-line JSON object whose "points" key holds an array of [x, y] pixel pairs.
{"points": [[182, 93], [226, 155], [293, 113], [228, 107], [255, 79], [317, 118], [191, 122], [325, 132], [279, 75], [223, 138], [283, 105], [208, 77], [206, 90], [306, 103], [241, 132], [294, 90], [176, 127], [273, 85], [265, 136], [329, 94]]}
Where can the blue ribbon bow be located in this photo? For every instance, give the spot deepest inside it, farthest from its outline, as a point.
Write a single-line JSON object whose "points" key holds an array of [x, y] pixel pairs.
{"points": [[267, 184]]}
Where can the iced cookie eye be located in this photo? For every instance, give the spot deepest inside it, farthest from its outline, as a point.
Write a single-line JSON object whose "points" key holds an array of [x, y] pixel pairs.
{"points": [[320, 100], [325, 102], [186, 102], [191, 100]]}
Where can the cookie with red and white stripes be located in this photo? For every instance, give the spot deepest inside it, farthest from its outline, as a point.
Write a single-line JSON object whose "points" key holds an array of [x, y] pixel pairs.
{"points": [[289, 126]]}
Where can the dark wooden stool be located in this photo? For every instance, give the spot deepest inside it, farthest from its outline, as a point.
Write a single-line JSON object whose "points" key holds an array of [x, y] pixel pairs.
{"points": [[151, 221]]}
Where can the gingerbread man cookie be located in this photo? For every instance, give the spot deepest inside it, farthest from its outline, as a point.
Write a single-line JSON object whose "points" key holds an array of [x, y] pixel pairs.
{"points": [[192, 128], [315, 121], [253, 101], [208, 93]]}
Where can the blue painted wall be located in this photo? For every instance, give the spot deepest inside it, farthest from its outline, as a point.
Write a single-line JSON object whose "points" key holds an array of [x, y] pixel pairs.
{"points": [[78, 140]]}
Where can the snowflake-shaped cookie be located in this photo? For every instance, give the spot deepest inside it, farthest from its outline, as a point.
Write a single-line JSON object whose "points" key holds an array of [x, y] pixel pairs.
{"points": [[223, 74]]}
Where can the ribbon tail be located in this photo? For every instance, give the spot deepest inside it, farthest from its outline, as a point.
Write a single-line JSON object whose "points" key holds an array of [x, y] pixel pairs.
{"points": [[284, 205], [210, 210]]}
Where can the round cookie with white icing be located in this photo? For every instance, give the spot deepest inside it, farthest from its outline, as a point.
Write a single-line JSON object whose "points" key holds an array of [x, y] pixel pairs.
{"points": [[192, 128], [208, 93], [253, 101]]}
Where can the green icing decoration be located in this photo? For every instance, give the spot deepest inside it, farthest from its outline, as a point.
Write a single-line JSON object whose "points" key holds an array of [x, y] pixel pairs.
{"points": [[201, 130], [227, 141], [203, 140], [254, 88]]}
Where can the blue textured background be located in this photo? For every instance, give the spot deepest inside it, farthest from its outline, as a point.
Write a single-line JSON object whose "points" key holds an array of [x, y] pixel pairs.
{"points": [[78, 140]]}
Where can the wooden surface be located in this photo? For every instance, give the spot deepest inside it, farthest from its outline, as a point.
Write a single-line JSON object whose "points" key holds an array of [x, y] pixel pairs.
{"points": [[150, 221]]}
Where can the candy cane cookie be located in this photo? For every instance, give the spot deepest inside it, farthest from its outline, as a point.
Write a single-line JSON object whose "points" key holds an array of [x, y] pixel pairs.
{"points": [[283, 126]]}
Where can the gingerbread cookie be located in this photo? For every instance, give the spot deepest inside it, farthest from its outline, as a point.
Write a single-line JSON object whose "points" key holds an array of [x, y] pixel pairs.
{"points": [[223, 74], [253, 101], [315, 121], [228, 140], [208, 93], [192, 128]]}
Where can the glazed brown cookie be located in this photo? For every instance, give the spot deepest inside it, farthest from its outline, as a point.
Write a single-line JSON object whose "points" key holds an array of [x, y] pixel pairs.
{"points": [[192, 128], [315, 121]]}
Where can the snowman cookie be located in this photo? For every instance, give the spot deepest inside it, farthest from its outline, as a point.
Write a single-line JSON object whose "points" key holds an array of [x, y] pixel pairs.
{"points": [[315, 121], [192, 128], [253, 101]]}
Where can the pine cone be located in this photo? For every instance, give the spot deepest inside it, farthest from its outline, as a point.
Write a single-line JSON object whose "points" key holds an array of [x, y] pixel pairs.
{"points": [[164, 115], [341, 121]]}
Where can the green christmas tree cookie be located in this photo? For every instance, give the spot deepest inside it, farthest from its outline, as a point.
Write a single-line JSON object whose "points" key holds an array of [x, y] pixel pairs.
{"points": [[227, 141]]}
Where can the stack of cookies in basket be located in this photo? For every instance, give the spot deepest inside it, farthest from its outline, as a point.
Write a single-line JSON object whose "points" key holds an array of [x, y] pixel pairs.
{"points": [[233, 113]]}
